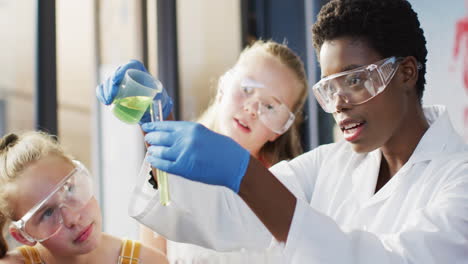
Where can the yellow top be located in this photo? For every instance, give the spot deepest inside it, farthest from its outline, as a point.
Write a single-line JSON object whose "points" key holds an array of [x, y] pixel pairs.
{"points": [[130, 252], [30, 255], [128, 255]]}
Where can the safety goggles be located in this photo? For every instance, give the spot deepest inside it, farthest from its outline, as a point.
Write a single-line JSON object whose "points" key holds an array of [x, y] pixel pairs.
{"points": [[45, 219], [273, 113], [356, 86]]}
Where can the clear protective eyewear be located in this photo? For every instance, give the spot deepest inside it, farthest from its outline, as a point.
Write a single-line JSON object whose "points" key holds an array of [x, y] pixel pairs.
{"points": [[356, 86], [271, 111], [45, 219]]}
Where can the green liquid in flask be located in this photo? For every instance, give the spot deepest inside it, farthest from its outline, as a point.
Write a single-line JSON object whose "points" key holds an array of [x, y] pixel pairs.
{"points": [[131, 109]]}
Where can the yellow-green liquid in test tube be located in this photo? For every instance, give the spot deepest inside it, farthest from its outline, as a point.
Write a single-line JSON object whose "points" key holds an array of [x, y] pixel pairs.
{"points": [[161, 176]]}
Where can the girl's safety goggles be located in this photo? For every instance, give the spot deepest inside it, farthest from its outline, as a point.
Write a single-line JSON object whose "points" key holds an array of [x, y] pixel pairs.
{"points": [[45, 219], [356, 86], [273, 113]]}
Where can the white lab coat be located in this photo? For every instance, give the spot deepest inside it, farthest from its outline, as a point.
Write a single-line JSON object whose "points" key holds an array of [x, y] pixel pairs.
{"points": [[181, 253], [419, 216]]}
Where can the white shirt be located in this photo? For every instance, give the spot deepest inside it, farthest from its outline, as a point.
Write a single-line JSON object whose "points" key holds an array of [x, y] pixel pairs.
{"points": [[419, 216]]}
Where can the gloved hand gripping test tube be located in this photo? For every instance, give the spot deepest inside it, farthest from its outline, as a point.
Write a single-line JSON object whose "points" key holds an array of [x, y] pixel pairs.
{"points": [[161, 176]]}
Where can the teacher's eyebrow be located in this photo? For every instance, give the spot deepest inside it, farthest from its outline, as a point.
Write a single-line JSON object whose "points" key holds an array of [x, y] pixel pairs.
{"points": [[347, 68]]}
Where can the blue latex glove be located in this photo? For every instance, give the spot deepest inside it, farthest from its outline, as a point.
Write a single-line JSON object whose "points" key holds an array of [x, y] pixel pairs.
{"points": [[194, 152], [108, 89]]}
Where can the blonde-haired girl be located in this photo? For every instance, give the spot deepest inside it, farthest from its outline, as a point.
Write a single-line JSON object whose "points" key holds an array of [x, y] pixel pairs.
{"points": [[47, 203]]}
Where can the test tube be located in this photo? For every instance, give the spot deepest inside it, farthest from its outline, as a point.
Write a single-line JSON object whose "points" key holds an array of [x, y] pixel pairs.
{"points": [[161, 176]]}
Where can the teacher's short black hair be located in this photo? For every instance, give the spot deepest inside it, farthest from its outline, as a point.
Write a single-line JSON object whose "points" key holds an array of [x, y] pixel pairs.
{"points": [[391, 27]]}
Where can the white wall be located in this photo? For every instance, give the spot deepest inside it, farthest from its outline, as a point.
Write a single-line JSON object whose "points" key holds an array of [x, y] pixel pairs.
{"points": [[76, 76], [444, 72], [209, 39], [18, 23]]}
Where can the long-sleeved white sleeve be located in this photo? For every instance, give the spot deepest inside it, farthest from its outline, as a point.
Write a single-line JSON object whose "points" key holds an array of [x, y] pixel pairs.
{"points": [[205, 215]]}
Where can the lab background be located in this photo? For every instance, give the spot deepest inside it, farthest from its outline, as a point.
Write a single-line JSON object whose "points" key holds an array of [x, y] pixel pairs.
{"points": [[54, 53]]}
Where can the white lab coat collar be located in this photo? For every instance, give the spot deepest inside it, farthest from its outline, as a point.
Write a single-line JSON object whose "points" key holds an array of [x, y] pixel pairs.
{"points": [[433, 143]]}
